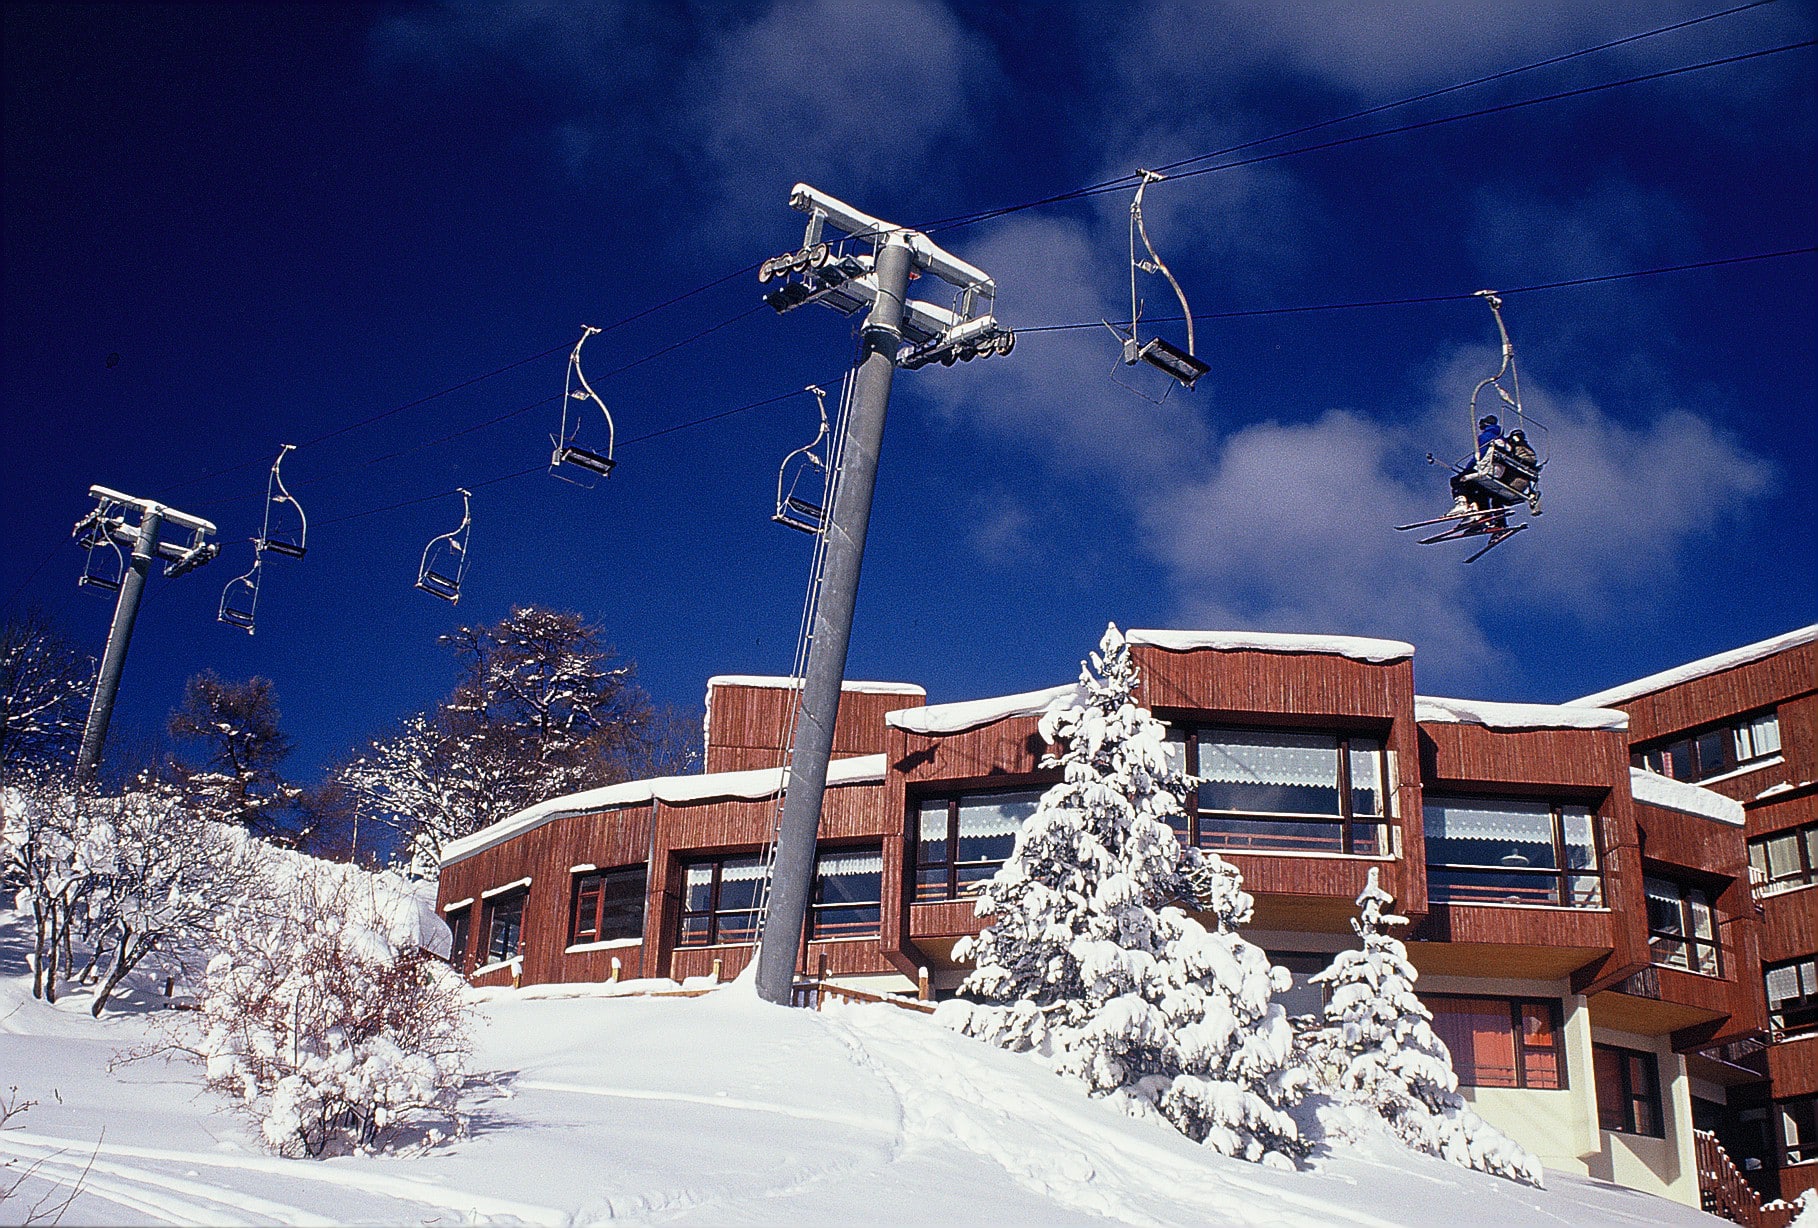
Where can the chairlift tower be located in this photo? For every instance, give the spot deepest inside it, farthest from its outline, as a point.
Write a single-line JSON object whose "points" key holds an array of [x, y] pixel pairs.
{"points": [[107, 525], [898, 331]]}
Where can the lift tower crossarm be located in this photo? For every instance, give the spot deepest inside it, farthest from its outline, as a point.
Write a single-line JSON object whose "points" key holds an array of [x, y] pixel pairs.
{"points": [[147, 548]]}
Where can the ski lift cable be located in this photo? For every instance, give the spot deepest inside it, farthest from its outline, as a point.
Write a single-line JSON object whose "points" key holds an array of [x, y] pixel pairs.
{"points": [[1481, 112], [1457, 296], [1118, 184], [1126, 181]]}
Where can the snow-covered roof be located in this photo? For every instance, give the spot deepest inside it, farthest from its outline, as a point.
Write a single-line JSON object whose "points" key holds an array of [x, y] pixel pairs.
{"points": [[1670, 794], [752, 785], [1353, 646], [1702, 667], [1516, 716], [940, 719], [786, 683]]}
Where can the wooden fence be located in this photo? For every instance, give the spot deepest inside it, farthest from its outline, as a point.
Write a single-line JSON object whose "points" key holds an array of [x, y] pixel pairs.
{"points": [[1724, 1192]]}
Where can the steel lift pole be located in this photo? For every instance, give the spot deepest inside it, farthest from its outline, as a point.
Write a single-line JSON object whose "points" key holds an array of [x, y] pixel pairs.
{"points": [[792, 880], [898, 331]]}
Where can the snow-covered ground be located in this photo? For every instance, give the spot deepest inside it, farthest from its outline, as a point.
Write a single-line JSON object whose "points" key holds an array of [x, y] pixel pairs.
{"points": [[709, 1110]]}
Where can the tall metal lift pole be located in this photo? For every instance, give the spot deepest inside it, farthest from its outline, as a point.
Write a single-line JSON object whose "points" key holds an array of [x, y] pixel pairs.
{"points": [[897, 331], [107, 523]]}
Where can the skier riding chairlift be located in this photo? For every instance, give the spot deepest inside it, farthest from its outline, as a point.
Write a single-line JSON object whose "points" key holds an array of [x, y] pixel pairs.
{"points": [[1503, 473]]}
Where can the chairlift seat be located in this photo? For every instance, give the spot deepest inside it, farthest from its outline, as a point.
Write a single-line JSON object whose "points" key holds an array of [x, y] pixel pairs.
{"points": [[581, 458], [104, 583], [242, 619], [438, 585], [801, 514], [289, 550], [1171, 359]]}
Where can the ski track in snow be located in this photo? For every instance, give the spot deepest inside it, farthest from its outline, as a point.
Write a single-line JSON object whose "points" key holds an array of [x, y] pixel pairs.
{"points": [[408, 1189], [716, 1101]]}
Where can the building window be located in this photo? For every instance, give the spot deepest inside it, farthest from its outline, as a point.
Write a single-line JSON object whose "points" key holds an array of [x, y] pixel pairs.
{"points": [[1682, 930], [720, 900], [720, 897], [848, 893], [1281, 790], [1713, 751], [608, 906], [1628, 1091], [1792, 995], [1798, 1130], [1786, 859], [1501, 1042], [505, 926], [460, 922], [1508, 851], [1304, 996], [962, 839]]}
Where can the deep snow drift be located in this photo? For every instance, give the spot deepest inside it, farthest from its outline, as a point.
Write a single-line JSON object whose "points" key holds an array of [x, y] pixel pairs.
{"points": [[709, 1110]]}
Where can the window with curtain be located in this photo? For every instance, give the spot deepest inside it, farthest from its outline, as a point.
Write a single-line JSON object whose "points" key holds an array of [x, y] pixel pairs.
{"points": [[608, 905], [1501, 1042], [1785, 859], [848, 893], [1682, 930], [1483, 850], [1628, 1091], [961, 839], [720, 900], [1283, 790], [1792, 995], [1715, 750], [505, 926]]}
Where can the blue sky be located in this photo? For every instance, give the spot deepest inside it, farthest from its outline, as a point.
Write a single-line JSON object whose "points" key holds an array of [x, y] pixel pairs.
{"points": [[228, 228]]}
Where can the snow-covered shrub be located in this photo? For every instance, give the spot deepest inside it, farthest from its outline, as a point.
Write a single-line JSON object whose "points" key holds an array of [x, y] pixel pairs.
{"points": [[327, 1015], [1089, 960], [54, 845], [1380, 1053]]}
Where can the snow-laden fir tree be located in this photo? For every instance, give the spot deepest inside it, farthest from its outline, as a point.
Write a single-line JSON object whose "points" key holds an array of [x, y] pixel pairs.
{"points": [[1382, 1055], [1089, 960]]}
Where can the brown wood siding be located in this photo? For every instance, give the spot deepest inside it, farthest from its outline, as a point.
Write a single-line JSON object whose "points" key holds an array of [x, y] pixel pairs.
{"points": [[1793, 1067], [1240, 682], [1759, 684], [1536, 760], [1511, 925], [546, 854], [749, 726]]}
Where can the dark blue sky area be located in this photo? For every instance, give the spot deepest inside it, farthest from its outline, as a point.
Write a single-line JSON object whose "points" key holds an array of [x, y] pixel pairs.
{"points": [[233, 227]]}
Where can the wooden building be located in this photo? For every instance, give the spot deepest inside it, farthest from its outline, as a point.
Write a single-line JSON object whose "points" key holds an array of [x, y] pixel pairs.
{"points": [[1608, 898]]}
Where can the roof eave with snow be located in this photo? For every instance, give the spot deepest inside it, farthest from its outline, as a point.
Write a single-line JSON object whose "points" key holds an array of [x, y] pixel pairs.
{"points": [[942, 720], [1358, 648], [785, 683], [1703, 667], [1508, 717], [753, 785]]}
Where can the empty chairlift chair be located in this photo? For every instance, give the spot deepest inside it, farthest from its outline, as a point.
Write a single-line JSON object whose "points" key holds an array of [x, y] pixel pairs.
{"points": [[570, 461], [802, 487], [103, 563], [286, 532], [240, 599], [1179, 365], [444, 563]]}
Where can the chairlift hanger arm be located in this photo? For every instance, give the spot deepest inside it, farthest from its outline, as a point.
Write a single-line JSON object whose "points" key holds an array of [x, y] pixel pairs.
{"points": [[1138, 229]]}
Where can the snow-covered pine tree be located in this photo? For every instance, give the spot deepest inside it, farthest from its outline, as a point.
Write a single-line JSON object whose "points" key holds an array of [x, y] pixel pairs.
{"points": [[1379, 1043], [1089, 959]]}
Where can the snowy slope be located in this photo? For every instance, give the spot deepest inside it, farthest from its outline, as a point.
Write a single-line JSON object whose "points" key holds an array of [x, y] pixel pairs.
{"points": [[708, 1110]]}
